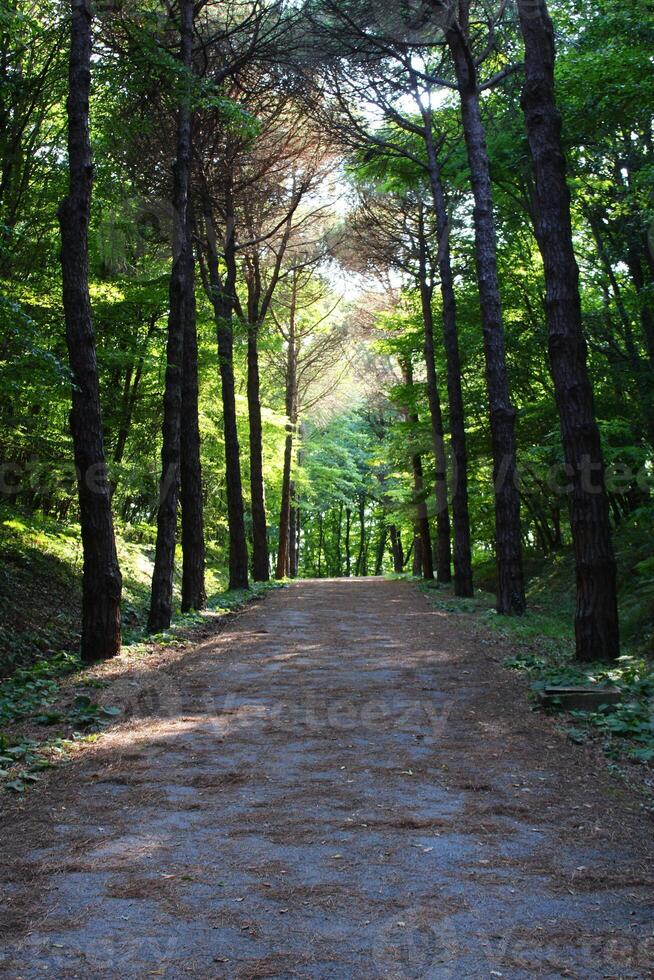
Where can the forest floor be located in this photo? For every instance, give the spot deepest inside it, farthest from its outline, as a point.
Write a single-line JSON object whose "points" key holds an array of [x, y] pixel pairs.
{"points": [[343, 783]]}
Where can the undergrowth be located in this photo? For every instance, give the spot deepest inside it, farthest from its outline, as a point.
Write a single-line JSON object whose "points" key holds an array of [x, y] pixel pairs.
{"points": [[543, 641], [40, 599]]}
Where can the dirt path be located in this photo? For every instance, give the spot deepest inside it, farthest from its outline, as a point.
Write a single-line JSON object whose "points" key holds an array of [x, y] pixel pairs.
{"points": [[344, 784]]}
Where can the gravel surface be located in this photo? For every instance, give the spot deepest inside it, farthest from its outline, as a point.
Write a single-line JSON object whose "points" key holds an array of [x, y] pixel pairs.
{"points": [[343, 784]]}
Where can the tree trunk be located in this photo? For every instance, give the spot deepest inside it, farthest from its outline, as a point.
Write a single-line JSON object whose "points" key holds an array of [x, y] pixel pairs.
{"points": [[360, 564], [645, 300], [596, 621], [381, 548], [296, 523], [423, 519], [222, 296], [285, 509], [291, 406], [443, 549], [348, 547], [193, 551], [396, 548], [260, 561], [292, 537], [640, 368], [424, 552], [417, 553], [339, 536], [463, 584], [161, 599], [101, 582], [511, 591], [132, 387]]}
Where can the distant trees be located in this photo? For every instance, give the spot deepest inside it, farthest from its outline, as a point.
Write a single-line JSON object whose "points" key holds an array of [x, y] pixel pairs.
{"points": [[309, 367]]}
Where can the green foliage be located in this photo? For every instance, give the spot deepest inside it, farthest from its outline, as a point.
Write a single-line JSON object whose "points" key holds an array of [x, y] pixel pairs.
{"points": [[626, 730]]}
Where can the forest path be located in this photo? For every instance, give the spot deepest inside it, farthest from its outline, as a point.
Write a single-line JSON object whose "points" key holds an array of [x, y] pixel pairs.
{"points": [[343, 784]]}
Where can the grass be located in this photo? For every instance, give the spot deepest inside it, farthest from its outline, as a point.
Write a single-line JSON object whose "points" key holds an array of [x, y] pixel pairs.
{"points": [[40, 598], [40, 586], [543, 639]]}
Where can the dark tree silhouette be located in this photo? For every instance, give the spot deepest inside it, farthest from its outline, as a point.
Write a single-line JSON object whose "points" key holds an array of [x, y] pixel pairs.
{"points": [[596, 620], [102, 584]]}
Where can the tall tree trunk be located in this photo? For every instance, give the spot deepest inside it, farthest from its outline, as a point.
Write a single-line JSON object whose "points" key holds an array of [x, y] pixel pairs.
{"points": [[260, 559], [339, 537], [417, 568], [222, 295], [285, 509], [348, 547], [193, 551], [640, 368], [161, 599], [381, 548], [292, 536], [360, 566], [463, 584], [291, 414], [132, 387], [101, 582], [645, 299], [511, 590], [424, 552], [298, 537], [423, 520], [396, 548], [296, 517], [596, 620], [443, 547]]}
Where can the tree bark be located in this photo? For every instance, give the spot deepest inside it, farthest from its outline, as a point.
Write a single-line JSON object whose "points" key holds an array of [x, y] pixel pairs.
{"points": [[596, 620], [381, 548], [285, 509], [396, 548], [423, 553], [295, 556], [101, 582], [443, 549], [222, 295], [339, 536], [463, 584], [360, 568], [193, 550], [260, 560], [292, 536], [130, 397], [645, 301], [291, 414], [417, 568], [348, 547], [511, 590], [161, 599]]}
